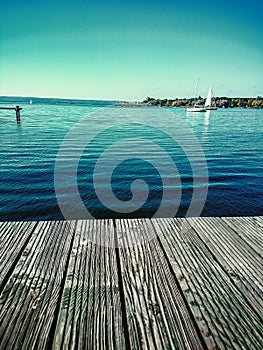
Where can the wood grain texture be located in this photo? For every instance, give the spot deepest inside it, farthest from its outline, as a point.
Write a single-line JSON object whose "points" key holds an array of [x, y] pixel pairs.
{"points": [[250, 229], [224, 316], [238, 258], [171, 284], [90, 314], [29, 299], [156, 312], [13, 237]]}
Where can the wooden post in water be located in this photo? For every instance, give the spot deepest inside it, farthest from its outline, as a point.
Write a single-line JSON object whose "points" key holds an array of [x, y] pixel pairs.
{"points": [[18, 109]]}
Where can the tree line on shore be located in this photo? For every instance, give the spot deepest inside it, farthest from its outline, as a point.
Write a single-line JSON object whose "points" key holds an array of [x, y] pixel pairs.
{"points": [[221, 102]]}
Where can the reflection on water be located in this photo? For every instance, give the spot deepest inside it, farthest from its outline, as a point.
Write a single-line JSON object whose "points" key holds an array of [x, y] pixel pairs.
{"points": [[230, 138], [206, 121]]}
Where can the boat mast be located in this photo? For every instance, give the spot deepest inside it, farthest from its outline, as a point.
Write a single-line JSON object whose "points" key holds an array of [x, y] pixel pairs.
{"points": [[195, 98]]}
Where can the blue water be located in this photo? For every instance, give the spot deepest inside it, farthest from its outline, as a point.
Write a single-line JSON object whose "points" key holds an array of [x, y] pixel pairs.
{"points": [[231, 140]]}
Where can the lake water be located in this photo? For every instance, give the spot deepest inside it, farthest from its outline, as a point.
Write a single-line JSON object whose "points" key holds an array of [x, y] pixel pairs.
{"points": [[210, 161]]}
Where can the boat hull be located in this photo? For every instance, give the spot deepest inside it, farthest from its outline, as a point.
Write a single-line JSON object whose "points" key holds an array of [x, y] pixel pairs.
{"points": [[195, 109]]}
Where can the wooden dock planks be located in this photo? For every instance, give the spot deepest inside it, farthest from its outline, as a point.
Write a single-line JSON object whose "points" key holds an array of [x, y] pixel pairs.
{"points": [[90, 315], [29, 299], [235, 255], [171, 284], [157, 315], [225, 319], [13, 238], [249, 229]]}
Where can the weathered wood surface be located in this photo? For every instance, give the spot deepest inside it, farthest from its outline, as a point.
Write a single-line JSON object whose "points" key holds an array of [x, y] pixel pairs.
{"points": [[249, 229], [132, 284], [13, 239], [90, 315], [225, 318], [157, 315], [29, 299], [238, 259]]}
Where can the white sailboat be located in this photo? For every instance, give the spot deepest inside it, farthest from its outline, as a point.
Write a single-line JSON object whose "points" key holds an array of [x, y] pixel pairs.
{"points": [[209, 102], [196, 107]]}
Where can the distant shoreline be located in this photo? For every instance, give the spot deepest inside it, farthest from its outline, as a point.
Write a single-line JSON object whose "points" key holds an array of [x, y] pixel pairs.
{"points": [[221, 102]]}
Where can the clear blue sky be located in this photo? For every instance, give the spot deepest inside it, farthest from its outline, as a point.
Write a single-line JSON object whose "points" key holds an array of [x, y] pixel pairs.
{"points": [[130, 50]]}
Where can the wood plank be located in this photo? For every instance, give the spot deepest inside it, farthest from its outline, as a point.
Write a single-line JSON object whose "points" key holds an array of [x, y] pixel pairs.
{"points": [[14, 108], [224, 316], [157, 315], [250, 229], [236, 256], [30, 297], [90, 315], [13, 237]]}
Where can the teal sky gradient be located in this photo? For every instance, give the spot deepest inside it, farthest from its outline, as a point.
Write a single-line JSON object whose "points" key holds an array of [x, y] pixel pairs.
{"points": [[130, 50]]}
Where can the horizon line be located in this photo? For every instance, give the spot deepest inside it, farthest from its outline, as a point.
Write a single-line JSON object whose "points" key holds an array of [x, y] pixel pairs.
{"points": [[117, 100]]}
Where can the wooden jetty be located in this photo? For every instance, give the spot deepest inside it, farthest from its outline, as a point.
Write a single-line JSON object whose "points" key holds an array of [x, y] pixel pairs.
{"points": [[154, 284], [17, 109]]}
